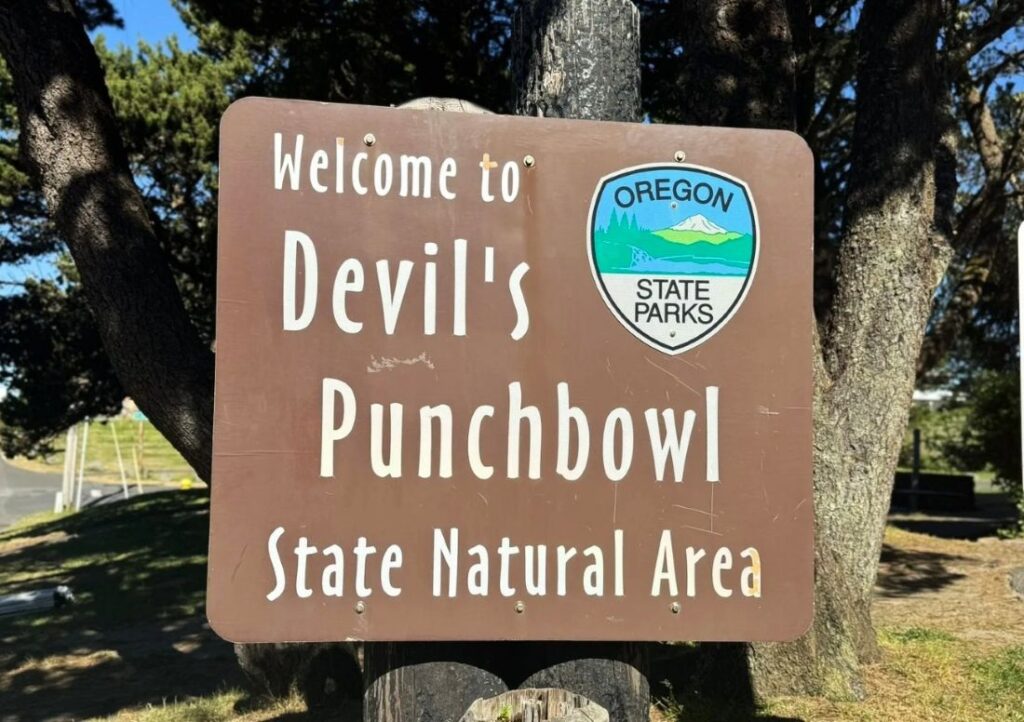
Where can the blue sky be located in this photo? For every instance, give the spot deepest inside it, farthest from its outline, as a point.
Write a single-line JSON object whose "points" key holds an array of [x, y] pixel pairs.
{"points": [[149, 20]]}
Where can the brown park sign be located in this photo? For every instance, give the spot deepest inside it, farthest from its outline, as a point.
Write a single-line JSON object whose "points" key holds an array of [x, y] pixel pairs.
{"points": [[487, 377]]}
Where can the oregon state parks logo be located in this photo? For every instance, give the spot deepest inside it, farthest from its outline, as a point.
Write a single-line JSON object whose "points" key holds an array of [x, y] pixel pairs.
{"points": [[673, 249]]}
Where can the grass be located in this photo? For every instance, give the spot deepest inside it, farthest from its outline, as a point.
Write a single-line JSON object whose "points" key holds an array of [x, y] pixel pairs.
{"points": [[121, 560], [951, 636], [1001, 681], [135, 648], [928, 676], [158, 460], [216, 707], [136, 632], [29, 521], [918, 634], [226, 706], [924, 675]]}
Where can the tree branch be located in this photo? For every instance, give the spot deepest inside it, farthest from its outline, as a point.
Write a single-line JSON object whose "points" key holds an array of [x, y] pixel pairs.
{"points": [[1008, 63], [978, 237], [71, 145], [1006, 15], [844, 71]]}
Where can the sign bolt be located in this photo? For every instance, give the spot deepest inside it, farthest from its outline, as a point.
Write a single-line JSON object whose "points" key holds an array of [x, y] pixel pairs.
{"points": [[360, 607], [520, 607], [529, 161], [675, 607], [369, 139], [680, 156]]}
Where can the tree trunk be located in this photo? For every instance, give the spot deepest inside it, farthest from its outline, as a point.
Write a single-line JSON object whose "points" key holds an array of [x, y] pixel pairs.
{"points": [[614, 675], [741, 63], [889, 264], [324, 674], [536, 705], [434, 682], [577, 59], [427, 682], [70, 141], [891, 259]]}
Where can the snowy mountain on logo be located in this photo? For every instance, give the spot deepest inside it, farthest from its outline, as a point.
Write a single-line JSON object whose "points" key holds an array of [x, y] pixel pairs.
{"points": [[697, 229], [699, 223]]}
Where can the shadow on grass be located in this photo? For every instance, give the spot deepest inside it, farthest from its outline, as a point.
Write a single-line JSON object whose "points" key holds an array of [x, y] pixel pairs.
{"points": [[992, 512], [906, 572], [340, 710], [970, 529], [136, 634], [707, 682]]}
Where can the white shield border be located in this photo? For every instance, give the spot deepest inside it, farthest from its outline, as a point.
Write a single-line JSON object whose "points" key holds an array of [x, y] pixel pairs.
{"points": [[602, 292]]}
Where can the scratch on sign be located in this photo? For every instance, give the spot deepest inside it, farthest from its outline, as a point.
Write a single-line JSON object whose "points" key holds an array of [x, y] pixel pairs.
{"points": [[385, 363]]}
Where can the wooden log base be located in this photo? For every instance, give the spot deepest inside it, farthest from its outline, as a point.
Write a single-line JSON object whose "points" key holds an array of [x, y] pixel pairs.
{"points": [[536, 705]]}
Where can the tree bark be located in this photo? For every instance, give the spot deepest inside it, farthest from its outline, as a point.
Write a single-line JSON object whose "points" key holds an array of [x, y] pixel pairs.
{"points": [[427, 682], [892, 257], [578, 59], [888, 266], [324, 674], [741, 63], [614, 675], [70, 143]]}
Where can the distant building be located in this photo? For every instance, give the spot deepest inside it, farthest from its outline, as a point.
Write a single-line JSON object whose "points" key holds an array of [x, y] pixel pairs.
{"points": [[932, 398]]}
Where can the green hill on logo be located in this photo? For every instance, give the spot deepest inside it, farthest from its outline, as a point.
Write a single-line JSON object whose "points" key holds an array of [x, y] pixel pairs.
{"points": [[694, 246]]}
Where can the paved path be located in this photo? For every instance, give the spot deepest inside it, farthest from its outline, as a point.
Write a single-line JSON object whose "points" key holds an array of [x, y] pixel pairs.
{"points": [[25, 492]]}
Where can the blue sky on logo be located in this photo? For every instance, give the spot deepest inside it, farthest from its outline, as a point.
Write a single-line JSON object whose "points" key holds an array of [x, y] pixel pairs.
{"points": [[660, 214]]}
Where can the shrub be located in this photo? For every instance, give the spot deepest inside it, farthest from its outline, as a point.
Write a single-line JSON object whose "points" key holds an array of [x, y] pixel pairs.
{"points": [[991, 438], [942, 432]]}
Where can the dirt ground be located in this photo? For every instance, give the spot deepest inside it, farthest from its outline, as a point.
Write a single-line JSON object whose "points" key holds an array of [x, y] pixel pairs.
{"points": [[960, 587]]}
